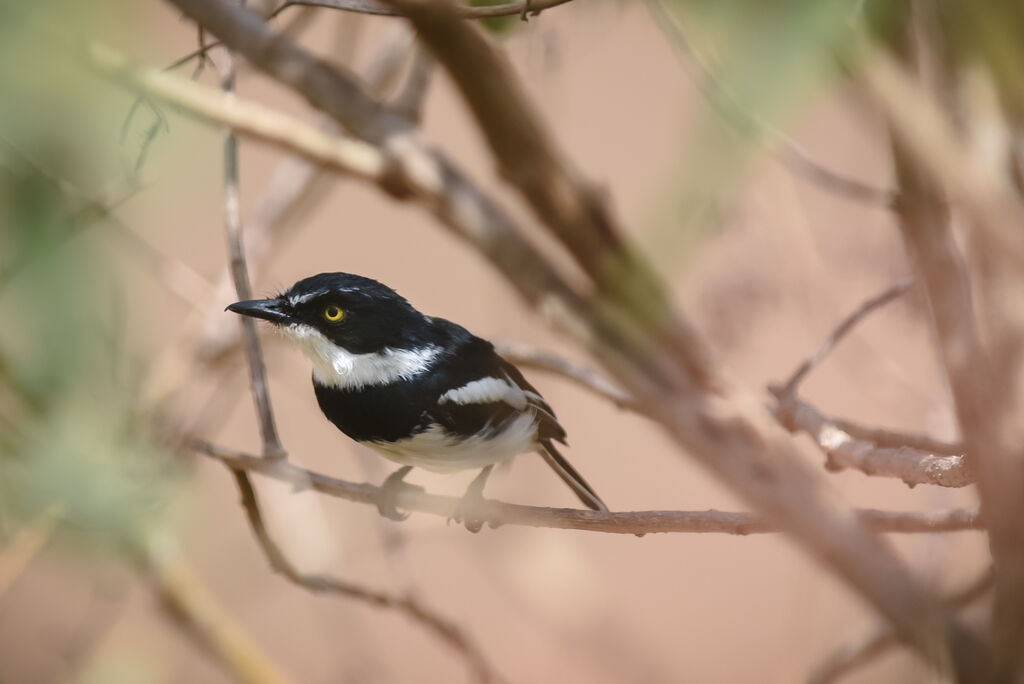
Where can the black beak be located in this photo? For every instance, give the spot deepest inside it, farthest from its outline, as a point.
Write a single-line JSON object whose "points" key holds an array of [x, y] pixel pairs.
{"points": [[268, 309]]}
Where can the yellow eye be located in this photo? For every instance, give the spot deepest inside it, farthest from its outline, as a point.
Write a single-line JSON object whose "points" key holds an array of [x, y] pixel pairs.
{"points": [[333, 314]]}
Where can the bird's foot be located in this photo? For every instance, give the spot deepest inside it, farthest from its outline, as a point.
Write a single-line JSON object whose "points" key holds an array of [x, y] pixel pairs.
{"points": [[388, 495], [473, 501], [465, 513]]}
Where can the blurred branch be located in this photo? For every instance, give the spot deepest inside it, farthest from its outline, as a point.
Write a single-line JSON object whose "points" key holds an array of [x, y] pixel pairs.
{"points": [[788, 151], [497, 513], [928, 138], [409, 101], [408, 605], [192, 607], [25, 546], [530, 357], [930, 161], [523, 9], [843, 450], [889, 294], [861, 652], [247, 118], [847, 445], [915, 459]]}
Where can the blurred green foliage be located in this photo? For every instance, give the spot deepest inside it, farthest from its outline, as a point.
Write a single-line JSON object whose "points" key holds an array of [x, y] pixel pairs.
{"points": [[72, 436], [757, 64]]}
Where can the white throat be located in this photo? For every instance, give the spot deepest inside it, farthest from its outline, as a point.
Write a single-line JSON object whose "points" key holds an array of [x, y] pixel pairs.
{"points": [[337, 367]]}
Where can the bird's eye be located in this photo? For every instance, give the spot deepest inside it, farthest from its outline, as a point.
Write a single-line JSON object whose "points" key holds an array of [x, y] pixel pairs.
{"points": [[333, 314]]}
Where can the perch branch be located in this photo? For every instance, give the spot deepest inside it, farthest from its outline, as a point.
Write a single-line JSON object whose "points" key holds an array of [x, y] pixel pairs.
{"points": [[496, 513]]}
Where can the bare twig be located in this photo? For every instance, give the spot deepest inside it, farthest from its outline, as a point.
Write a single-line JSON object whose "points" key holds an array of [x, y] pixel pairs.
{"points": [[893, 439], [533, 7], [496, 513], [409, 101], [248, 118], [843, 450], [855, 654], [589, 378], [792, 155], [848, 323], [240, 274], [930, 162], [929, 139], [408, 605]]}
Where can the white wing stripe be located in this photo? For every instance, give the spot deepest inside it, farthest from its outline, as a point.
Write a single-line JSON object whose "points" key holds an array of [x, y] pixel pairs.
{"points": [[486, 391]]}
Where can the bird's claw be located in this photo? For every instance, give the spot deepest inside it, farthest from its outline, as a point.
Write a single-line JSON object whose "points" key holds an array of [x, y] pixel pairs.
{"points": [[388, 495], [463, 513]]}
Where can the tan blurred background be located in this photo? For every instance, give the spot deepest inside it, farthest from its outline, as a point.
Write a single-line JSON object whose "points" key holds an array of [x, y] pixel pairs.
{"points": [[787, 262]]}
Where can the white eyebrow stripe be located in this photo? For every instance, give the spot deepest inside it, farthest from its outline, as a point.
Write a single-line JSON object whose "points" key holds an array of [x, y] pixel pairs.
{"points": [[486, 391], [302, 298]]}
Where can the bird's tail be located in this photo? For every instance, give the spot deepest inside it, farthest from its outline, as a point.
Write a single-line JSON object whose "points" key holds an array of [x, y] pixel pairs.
{"points": [[569, 475]]}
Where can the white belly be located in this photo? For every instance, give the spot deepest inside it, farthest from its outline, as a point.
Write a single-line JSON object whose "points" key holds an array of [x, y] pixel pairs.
{"points": [[435, 450]]}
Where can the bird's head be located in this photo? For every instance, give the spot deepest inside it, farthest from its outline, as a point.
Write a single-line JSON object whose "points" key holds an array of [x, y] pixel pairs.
{"points": [[357, 315]]}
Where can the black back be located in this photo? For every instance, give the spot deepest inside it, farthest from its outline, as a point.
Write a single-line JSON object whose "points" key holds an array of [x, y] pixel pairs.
{"points": [[399, 409]]}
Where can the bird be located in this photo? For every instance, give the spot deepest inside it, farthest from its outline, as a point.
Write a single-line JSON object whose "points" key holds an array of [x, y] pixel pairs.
{"points": [[420, 390]]}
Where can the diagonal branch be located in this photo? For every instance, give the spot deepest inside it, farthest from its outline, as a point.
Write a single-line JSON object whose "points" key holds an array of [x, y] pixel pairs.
{"points": [[840, 331], [409, 605], [853, 655]]}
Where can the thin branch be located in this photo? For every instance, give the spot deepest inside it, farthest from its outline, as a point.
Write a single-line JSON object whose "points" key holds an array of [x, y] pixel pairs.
{"points": [[876, 302], [914, 458], [584, 376], [524, 8], [792, 155], [409, 101], [930, 139], [496, 513], [843, 450], [248, 118], [893, 439], [272, 447], [409, 605], [853, 655], [983, 394]]}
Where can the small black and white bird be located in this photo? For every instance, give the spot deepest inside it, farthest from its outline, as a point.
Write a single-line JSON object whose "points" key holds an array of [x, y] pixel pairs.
{"points": [[422, 391]]}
